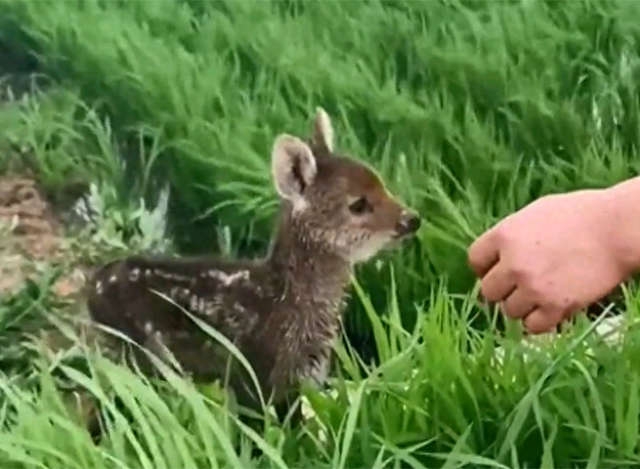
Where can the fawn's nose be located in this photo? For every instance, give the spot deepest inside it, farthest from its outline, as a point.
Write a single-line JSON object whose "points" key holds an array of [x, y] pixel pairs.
{"points": [[408, 224]]}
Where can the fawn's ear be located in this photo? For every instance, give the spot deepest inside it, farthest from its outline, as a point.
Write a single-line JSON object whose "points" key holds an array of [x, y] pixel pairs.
{"points": [[293, 166], [323, 130]]}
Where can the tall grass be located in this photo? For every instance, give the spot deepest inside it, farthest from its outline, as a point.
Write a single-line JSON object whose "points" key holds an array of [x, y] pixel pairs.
{"points": [[469, 109], [438, 398]]}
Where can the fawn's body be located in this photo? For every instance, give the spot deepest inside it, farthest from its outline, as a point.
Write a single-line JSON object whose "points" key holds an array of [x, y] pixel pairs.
{"points": [[282, 312]]}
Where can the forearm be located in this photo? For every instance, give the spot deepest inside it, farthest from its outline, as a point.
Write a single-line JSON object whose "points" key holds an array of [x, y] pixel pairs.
{"points": [[623, 205]]}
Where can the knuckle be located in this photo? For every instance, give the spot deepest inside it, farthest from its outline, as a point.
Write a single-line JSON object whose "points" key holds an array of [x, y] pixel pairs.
{"points": [[536, 291], [476, 257], [472, 255], [507, 308], [569, 305], [521, 275], [555, 316], [557, 305], [525, 277], [493, 290], [489, 290], [541, 321], [503, 236], [538, 325]]}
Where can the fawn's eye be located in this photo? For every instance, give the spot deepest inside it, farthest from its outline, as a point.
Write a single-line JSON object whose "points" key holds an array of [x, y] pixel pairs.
{"points": [[360, 206]]}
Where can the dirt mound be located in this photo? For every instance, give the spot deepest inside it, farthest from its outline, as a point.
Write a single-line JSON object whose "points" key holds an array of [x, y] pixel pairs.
{"points": [[26, 214], [29, 235]]}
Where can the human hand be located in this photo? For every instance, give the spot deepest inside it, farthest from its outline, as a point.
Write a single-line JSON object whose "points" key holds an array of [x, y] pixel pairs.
{"points": [[552, 258]]}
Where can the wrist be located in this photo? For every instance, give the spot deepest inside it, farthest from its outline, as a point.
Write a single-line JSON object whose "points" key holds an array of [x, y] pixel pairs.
{"points": [[622, 223]]}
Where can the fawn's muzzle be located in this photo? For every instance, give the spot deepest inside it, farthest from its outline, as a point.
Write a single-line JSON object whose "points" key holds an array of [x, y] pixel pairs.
{"points": [[409, 223]]}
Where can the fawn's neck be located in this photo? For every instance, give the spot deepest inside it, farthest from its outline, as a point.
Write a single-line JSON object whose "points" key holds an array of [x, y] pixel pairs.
{"points": [[312, 274]]}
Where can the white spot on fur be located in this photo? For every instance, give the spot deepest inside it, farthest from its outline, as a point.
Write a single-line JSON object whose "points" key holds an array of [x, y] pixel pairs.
{"points": [[299, 205], [179, 293], [228, 279], [113, 279], [148, 327], [200, 305], [134, 275], [99, 287], [170, 275]]}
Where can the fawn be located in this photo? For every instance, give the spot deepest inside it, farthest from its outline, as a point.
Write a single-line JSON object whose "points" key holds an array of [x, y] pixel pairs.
{"points": [[283, 311]]}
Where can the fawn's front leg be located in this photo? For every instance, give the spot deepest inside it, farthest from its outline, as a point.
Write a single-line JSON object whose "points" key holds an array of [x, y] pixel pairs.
{"points": [[284, 410]]}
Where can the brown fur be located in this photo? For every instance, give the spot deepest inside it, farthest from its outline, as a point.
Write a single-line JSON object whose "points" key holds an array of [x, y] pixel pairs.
{"points": [[282, 312]]}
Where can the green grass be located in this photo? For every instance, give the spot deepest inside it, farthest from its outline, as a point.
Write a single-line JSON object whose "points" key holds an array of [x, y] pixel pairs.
{"points": [[437, 399], [469, 110]]}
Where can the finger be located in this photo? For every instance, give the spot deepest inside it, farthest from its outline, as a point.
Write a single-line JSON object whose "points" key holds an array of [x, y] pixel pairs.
{"points": [[497, 284], [483, 253], [518, 304], [541, 321]]}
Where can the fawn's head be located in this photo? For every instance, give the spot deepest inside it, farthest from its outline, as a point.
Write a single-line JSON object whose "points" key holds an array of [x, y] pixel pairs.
{"points": [[336, 201]]}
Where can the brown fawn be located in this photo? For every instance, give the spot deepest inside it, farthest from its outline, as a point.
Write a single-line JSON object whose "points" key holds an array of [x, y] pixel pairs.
{"points": [[282, 312]]}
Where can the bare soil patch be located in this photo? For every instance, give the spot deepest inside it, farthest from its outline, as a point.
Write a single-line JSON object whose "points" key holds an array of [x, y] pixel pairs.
{"points": [[30, 236]]}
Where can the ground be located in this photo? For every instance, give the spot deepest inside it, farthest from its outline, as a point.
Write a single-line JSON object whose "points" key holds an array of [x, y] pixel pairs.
{"points": [[31, 236]]}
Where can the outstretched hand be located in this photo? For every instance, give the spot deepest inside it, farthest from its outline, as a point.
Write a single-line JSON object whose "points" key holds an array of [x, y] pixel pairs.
{"points": [[553, 258]]}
